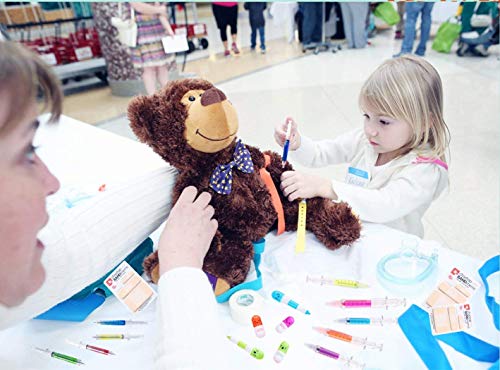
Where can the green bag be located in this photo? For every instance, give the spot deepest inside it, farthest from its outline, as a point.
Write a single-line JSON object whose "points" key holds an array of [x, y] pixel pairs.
{"points": [[387, 13], [446, 35]]}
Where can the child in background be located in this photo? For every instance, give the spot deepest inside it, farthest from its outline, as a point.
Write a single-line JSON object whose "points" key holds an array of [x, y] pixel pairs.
{"points": [[397, 162], [257, 23]]}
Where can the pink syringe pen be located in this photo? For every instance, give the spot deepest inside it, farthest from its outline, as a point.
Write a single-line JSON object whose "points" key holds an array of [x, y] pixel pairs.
{"points": [[369, 303]]}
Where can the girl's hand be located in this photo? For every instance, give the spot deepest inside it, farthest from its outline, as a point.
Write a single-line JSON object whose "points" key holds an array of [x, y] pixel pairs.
{"points": [[297, 185], [280, 134]]}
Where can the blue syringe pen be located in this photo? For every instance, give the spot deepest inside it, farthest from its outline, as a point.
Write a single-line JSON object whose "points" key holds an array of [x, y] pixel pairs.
{"points": [[287, 143], [120, 322], [366, 320], [281, 297]]}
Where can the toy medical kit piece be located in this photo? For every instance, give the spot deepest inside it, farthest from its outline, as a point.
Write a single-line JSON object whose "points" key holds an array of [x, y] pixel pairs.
{"points": [[450, 319], [244, 304], [408, 271], [300, 245], [369, 303], [285, 324], [287, 143], [260, 332], [254, 352], [458, 288], [121, 322], [130, 288], [117, 336], [281, 352], [380, 320], [363, 342], [89, 347], [325, 280], [281, 297], [348, 361], [60, 356]]}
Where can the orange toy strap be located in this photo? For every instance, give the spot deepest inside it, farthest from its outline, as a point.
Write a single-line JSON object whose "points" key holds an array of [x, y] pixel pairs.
{"points": [[275, 198]]}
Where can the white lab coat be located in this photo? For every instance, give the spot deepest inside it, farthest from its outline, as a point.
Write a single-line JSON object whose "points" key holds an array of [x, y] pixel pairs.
{"points": [[191, 336], [396, 194]]}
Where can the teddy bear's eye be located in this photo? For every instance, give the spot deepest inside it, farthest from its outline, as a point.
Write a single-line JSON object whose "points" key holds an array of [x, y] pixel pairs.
{"points": [[201, 95], [192, 98]]}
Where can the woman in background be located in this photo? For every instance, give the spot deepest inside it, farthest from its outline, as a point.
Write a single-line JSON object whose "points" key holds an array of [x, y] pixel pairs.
{"points": [[148, 55], [226, 14]]}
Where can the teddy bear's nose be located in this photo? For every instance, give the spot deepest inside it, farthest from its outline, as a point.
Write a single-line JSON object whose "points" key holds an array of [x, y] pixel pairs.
{"points": [[212, 96]]}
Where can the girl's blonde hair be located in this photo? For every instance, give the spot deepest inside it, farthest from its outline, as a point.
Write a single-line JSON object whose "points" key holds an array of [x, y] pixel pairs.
{"points": [[409, 89], [24, 77]]}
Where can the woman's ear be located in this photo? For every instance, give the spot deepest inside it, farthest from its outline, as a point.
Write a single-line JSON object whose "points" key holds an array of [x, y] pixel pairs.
{"points": [[141, 114]]}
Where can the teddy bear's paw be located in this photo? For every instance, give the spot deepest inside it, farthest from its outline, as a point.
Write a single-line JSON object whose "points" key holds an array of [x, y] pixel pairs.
{"points": [[151, 267], [334, 224]]}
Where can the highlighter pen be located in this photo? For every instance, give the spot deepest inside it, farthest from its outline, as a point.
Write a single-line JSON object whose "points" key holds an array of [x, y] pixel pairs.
{"points": [[120, 322], [381, 320], [369, 303], [348, 361], [325, 280], [117, 336], [60, 356], [281, 297], [363, 342], [89, 347], [287, 143], [254, 352]]}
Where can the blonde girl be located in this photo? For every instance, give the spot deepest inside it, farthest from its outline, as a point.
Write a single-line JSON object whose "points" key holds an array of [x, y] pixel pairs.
{"points": [[397, 161]]}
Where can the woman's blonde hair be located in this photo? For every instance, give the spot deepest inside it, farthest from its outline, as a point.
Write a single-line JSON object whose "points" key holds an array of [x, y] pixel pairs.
{"points": [[24, 77], [409, 89]]}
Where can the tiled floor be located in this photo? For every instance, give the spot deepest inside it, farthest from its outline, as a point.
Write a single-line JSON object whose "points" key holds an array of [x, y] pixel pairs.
{"points": [[320, 92]]}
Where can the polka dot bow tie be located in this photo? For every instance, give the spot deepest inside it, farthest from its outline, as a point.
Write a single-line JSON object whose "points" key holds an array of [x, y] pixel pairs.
{"points": [[222, 177]]}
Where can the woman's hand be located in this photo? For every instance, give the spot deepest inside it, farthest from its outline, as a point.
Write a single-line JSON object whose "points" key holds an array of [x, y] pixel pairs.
{"points": [[188, 232], [297, 185], [166, 25], [280, 134]]}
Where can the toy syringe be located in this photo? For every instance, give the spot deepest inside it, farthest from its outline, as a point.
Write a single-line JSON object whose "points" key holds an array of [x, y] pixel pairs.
{"points": [[348, 361], [363, 342], [381, 320], [369, 303], [325, 280], [287, 143]]}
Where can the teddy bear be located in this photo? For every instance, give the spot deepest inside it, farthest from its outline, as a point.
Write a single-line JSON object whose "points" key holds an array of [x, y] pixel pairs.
{"points": [[193, 126]]}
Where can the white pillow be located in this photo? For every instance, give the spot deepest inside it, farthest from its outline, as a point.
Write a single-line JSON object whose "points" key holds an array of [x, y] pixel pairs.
{"points": [[87, 240]]}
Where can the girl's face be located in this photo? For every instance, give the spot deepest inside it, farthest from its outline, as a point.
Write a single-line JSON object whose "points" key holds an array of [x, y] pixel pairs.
{"points": [[25, 182], [386, 135]]}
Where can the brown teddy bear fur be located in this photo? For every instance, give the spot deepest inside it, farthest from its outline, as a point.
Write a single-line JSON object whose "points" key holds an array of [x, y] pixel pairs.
{"points": [[247, 213]]}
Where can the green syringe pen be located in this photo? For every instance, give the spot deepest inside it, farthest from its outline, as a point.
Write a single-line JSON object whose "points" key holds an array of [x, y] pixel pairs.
{"points": [[60, 356], [117, 336]]}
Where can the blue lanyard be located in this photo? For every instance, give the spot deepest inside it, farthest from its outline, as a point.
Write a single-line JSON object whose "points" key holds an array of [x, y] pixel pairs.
{"points": [[416, 327]]}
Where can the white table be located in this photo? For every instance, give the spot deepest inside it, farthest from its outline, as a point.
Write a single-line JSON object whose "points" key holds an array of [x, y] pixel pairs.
{"points": [[282, 270]]}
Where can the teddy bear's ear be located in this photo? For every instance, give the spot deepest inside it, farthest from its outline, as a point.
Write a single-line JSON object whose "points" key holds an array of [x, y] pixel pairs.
{"points": [[141, 116]]}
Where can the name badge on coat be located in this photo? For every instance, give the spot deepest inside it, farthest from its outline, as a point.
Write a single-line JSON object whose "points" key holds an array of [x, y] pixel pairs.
{"points": [[357, 177]]}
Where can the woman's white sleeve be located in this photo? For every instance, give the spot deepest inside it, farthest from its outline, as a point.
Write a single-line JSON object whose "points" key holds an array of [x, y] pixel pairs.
{"points": [[191, 335], [414, 186], [87, 241], [327, 152]]}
